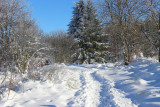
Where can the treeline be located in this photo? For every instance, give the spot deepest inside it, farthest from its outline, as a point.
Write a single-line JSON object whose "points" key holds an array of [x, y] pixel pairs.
{"points": [[99, 32], [129, 27], [114, 30]]}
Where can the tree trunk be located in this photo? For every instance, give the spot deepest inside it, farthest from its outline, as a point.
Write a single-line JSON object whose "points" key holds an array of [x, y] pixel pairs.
{"points": [[159, 53], [125, 52]]}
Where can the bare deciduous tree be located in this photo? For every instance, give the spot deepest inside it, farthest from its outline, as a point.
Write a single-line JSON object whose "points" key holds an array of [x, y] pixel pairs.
{"points": [[153, 18], [61, 45], [19, 35], [122, 18]]}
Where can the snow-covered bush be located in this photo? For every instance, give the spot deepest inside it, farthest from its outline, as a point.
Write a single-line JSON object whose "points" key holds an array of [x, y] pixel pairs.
{"points": [[55, 73], [10, 80], [59, 75], [72, 83]]}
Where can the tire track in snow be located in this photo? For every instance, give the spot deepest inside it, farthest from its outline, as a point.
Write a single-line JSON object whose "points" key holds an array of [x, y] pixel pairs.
{"points": [[88, 95], [79, 97], [110, 96], [106, 97]]}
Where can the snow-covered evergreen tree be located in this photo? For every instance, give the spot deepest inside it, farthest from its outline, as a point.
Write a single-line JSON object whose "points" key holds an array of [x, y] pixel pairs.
{"points": [[76, 24], [91, 48], [76, 27]]}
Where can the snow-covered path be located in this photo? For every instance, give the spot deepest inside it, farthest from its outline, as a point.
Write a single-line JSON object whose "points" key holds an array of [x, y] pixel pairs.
{"points": [[88, 94], [110, 96], [110, 85], [97, 91]]}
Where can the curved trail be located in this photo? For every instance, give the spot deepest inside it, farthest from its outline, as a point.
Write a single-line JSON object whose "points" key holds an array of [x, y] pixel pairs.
{"points": [[98, 91]]}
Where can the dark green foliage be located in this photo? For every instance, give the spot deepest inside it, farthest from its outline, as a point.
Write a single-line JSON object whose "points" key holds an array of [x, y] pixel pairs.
{"points": [[91, 48]]}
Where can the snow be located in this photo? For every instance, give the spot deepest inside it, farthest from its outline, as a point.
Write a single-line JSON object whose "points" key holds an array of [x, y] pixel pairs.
{"points": [[94, 85]]}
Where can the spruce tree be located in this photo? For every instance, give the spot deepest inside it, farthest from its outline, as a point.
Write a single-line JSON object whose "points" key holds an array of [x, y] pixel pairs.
{"points": [[91, 48], [94, 47], [76, 27], [76, 24]]}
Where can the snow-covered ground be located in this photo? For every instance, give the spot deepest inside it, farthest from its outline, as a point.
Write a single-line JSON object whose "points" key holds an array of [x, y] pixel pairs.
{"points": [[109, 85]]}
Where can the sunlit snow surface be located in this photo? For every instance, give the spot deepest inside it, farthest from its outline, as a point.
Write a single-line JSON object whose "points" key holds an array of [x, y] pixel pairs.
{"points": [[108, 85]]}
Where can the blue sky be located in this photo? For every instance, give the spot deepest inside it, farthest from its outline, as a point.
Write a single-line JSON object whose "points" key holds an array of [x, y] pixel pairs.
{"points": [[52, 15]]}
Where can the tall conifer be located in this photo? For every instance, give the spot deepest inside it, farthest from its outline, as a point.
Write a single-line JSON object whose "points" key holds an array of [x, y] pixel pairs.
{"points": [[91, 48]]}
